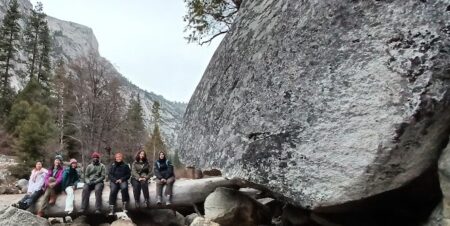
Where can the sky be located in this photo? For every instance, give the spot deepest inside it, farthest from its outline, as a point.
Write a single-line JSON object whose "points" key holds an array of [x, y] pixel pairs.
{"points": [[144, 39]]}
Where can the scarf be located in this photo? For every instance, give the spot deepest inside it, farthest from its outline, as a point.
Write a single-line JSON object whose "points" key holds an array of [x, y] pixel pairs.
{"points": [[35, 173]]}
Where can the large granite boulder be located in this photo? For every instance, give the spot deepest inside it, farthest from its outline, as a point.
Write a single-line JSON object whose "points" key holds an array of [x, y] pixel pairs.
{"points": [[325, 102]]}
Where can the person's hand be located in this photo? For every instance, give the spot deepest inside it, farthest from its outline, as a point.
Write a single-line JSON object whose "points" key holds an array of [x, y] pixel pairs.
{"points": [[141, 179], [163, 180], [51, 185], [119, 181]]}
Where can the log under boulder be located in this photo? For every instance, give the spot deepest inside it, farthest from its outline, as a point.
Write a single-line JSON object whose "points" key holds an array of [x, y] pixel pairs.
{"points": [[185, 194]]}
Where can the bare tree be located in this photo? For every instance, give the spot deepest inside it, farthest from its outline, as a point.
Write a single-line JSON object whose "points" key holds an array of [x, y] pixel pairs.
{"points": [[98, 105]]}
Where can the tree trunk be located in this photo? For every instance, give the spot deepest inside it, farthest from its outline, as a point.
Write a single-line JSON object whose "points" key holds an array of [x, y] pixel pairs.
{"points": [[185, 193]]}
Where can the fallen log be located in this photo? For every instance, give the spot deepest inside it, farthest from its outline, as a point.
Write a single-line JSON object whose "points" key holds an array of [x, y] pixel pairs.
{"points": [[185, 194]]}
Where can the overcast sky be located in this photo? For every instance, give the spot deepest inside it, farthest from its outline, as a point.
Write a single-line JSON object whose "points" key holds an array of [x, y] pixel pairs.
{"points": [[144, 39]]}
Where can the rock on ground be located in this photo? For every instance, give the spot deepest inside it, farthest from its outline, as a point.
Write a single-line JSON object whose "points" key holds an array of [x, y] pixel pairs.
{"points": [[190, 218], [22, 184], [12, 216], [324, 102], [161, 217], [226, 206], [123, 223], [200, 221], [436, 218]]}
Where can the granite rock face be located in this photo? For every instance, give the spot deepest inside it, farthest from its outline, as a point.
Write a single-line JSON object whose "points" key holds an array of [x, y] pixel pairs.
{"points": [[325, 102]]}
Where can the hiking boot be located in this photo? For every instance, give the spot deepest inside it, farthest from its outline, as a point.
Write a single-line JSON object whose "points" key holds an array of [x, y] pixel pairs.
{"points": [[169, 200], [124, 207], [147, 203], [111, 210], [159, 200]]}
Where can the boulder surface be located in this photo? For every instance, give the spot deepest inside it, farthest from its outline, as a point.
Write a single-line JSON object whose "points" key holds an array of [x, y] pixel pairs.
{"points": [[324, 102]]}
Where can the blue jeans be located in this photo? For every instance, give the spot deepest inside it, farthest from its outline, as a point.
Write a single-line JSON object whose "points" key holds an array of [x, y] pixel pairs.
{"points": [[115, 187], [29, 199]]}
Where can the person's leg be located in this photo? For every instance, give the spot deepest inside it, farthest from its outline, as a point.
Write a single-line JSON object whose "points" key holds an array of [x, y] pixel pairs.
{"points": [[114, 189], [136, 190], [44, 202], [144, 187], [22, 203], [69, 199], [159, 187], [36, 195], [85, 197], [169, 185], [53, 195], [125, 195], [98, 196], [124, 191]]}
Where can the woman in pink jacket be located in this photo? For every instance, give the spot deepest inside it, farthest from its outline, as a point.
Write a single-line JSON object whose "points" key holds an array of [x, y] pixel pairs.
{"points": [[52, 185]]}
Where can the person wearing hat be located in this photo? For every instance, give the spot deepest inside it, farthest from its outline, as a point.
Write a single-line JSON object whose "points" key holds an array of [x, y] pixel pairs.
{"points": [[163, 170], [93, 180], [52, 185], [69, 183], [119, 173]]}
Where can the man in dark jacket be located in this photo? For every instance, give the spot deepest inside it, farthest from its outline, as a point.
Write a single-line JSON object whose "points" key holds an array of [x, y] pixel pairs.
{"points": [[164, 176], [93, 180], [119, 173]]}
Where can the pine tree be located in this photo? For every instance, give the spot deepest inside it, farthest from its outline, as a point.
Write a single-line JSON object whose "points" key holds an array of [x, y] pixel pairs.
{"points": [[134, 125], [44, 69], [34, 132], [31, 123], [156, 143], [37, 39], [9, 33]]}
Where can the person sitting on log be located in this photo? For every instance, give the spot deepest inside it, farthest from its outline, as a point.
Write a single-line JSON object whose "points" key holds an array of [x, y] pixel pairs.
{"points": [[140, 172], [163, 169], [119, 173], [69, 183], [93, 180], [34, 190], [52, 185]]}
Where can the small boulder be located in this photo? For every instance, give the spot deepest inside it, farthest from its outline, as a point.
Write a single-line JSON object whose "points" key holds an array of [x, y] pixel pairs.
{"points": [[226, 206], [122, 222], [22, 183], [200, 221], [3, 189], [190, 218], [12, 216], [254, 193], [80, 221], [293, 215], [161, 217]]}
